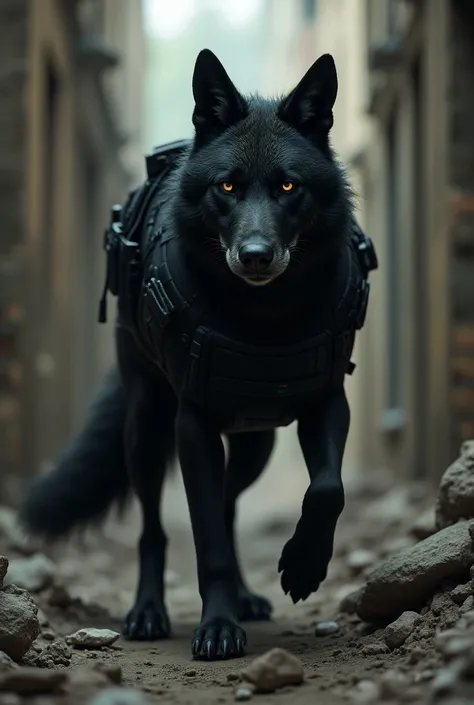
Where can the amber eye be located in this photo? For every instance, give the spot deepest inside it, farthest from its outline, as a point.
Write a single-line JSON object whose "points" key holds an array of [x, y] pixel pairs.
{"points": [[287, 186], [227, 187]]}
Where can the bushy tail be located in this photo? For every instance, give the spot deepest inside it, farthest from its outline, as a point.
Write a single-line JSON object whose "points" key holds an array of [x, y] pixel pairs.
{"points": [[90, 474]]}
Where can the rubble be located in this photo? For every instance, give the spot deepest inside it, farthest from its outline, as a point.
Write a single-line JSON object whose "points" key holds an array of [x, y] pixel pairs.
{"points": [[274, 669], [19, 624], [456, 490], [398, 632], [6, 663], [91, 638], [406, 580], [32, 681], [33, 573], [55, 654]]}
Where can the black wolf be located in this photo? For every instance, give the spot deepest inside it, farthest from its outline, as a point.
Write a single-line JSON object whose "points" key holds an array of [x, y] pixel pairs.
{"points": [[241, 278]]}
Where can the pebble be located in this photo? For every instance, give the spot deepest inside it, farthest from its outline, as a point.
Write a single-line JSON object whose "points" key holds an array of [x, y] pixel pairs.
{"points": [[244, 692], [327, 628], [91, 638], [274, 669]]}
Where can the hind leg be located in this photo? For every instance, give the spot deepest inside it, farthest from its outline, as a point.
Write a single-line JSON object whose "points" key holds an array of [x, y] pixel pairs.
{"points": [[248, 455], [149, 445]]}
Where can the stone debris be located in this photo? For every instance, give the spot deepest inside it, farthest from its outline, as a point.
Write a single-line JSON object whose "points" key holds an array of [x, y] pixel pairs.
{"points": [[32, 681], [456, 490], [33, 573], [244, 692], [327, 629], [406, 580], [19, 624], [6, 663], [91, 638], [274, 669], [119, 696], [55, 654], [349, 603], [397, 632]]}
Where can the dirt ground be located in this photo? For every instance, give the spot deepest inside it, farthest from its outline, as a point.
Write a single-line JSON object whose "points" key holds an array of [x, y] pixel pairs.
{"points": [[100, 572]]}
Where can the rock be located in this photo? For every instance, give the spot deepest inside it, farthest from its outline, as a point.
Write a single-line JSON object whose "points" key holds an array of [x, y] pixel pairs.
{"points": [[461, 593], [397, 632], [19, 625], [274, 669], [425, 525], [405, 581], [363, 692], [90, 638], [349, 603], [6, 663], [118, 696], [34, 573], [360, 559], [393, 684], [326, 628], [244, 692], [376, 649], [56, 654], [3, 569], [32, 681], [456, 490]]}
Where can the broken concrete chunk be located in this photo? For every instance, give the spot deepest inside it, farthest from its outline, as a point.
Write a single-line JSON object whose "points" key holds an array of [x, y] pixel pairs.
{"points": [[406, 581]]}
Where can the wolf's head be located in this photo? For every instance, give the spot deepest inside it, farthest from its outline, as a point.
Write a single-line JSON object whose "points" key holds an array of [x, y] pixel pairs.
{"points": [[261, 189]]}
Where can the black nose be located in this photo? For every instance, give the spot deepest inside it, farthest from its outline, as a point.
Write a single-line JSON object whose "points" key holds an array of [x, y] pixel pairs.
{"points": [[256, 257]]}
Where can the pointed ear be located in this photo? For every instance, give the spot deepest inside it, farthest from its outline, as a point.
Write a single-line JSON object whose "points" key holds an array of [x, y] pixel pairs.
{"points": [[309, 106], [218, 103]]}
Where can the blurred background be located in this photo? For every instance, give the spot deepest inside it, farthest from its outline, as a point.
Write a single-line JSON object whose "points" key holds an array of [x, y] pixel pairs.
{"points": [[89, 86]]}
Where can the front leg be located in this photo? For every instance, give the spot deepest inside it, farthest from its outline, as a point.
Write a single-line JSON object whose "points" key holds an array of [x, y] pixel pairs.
{"points": [[305, 558], [202, 458]]}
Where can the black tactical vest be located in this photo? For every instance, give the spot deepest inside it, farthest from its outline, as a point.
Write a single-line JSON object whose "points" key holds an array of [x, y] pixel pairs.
{"points": [[247, 386]]}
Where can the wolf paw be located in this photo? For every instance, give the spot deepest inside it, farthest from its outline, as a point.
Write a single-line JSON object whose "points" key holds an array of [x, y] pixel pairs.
{"points": [[147, 621], [218, 638], [253, 608]]}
